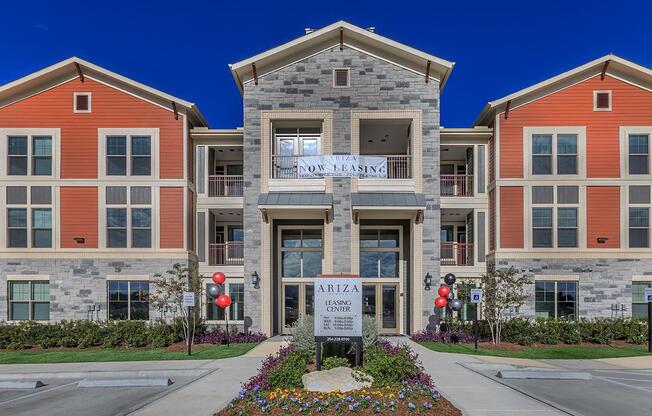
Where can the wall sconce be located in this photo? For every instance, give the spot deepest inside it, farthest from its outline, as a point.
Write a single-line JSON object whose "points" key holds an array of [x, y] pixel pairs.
{"points": [[255, 279], [79, 240], [602, 240], [427, 281]]}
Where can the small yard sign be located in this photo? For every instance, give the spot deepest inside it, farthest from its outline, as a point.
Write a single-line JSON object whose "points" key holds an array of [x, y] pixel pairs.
{"points": [[338, 308], [188, 299], [648, 295], [476, 295]]}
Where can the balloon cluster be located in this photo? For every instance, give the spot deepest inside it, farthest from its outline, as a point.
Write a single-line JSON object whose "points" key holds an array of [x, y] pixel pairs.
{"points": [[222, 299], [446, 294]]}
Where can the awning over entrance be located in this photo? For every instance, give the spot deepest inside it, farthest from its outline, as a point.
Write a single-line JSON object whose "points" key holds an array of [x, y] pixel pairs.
{"points": [[388, 201], [295, 200]]}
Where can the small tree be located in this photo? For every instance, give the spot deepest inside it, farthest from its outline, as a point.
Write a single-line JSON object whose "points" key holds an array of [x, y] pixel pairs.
{"points": [[502, 291], [169, 294]]}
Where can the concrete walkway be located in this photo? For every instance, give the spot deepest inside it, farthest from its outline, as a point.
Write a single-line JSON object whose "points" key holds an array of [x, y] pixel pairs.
{"points": [[473, 393], [215, 390]]}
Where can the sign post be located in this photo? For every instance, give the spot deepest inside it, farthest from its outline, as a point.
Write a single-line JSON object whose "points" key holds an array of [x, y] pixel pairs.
{"points": [[648, 298], [476, 298], [338, 312], [188, 303]]}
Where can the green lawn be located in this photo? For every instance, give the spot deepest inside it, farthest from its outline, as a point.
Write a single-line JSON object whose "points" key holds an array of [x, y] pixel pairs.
{"points": [[546, 352], [119, 354]]}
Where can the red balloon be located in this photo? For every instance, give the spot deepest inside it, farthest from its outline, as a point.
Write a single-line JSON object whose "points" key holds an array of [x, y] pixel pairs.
{"points": [[441, 302], [223, 301], [218, 278], [444, 290]]}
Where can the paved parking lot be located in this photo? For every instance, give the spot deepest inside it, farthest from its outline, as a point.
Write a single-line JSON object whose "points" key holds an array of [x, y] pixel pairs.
{"points": [[620, 392]]}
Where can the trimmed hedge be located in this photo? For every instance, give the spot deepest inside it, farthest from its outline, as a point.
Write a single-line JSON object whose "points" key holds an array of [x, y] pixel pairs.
{"points": [[111, 334], [550, 331]]}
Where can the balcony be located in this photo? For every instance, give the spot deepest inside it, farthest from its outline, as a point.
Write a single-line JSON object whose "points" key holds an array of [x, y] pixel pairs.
{"points": [[456, 254], [456, 185], [225, 185], [226, 254], [286, 167]]}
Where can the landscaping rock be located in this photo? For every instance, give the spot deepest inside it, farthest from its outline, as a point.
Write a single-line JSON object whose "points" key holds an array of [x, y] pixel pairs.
{"points": [[336, 379]]}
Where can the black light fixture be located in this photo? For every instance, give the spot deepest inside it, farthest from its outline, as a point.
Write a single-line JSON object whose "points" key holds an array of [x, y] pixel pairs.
{"points": [[255, 279], [427, 281], [602, 240], [79, 240]]}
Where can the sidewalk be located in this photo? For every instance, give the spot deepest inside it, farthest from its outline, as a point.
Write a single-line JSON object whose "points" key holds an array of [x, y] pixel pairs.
{"points": [[472, 393], [215, 390]]}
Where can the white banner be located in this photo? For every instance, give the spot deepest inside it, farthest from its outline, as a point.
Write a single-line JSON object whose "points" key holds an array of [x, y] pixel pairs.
{"points": [[338, 307], [342, 166]]}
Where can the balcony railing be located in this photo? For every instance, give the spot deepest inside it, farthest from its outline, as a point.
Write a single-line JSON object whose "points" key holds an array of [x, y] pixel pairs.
{"points": [[286, 167], [225, 185], [456, 254], [226, 254], [456, 185]]}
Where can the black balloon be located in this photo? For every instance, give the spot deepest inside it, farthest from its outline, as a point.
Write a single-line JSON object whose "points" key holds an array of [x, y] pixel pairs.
{"points": [[449, 279], [456, 304], [213, 290], [451, 296]]}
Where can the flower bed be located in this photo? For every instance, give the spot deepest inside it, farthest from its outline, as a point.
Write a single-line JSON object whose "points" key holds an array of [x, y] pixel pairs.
{"points": [[218, 336], [400, 386]]}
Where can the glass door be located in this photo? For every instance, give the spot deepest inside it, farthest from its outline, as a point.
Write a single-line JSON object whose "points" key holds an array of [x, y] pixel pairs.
{"points": [[380, 301], [298, 302]]}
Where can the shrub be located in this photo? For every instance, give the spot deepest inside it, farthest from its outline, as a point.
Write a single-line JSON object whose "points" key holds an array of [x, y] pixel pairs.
{"points": [[261, 380], [548, 331], [519, 331], [218, 336], [390, 365], [636, 331], [369, 332], [289, 373], [334, 362], [303, 334]]}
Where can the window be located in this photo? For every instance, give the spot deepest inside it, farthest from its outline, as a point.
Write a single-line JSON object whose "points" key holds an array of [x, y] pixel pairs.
{"points": [[639, 303], [555, 154], [555, 299], [555, 216], [19, 150], [29, 225], [341, 78], [639, 227], [301, 252], [29, 300], [290, 143], [136, 149], [82, 102], [638, 154], [380, 252], [128, 300], [235, 310], [128, 222], [601, 100]]}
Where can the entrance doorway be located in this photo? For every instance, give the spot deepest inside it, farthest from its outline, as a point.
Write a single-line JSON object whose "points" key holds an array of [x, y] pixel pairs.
{"points": [[380, 302]]}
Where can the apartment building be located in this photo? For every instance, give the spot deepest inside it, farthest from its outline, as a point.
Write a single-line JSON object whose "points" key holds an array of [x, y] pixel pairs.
{"points": [[108, 182]]}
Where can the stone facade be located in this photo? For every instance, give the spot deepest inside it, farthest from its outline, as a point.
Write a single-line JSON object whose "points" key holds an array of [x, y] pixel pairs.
{"points": [[601, 282], [77, 283], [308, 85]]}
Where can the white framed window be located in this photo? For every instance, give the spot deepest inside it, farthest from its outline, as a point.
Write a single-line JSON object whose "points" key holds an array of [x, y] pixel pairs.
{"points": [[602, 100], [555, 297], [29, 217], [380, 252], [128, 300], [301, 251], [29, 298], [555, 219], [129, 217], [558, 151], [341, 78], [291, 142], [638, 216], [130, 154], [82, 102], [635, 160], [234, 287], [29, 152], [639, 303]]}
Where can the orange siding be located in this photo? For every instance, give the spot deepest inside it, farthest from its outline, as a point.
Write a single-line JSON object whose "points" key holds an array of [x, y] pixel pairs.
{"points": [[603, 216], [511, 216], [110, 108], [573, 106], [78, 216], [172, 217]]}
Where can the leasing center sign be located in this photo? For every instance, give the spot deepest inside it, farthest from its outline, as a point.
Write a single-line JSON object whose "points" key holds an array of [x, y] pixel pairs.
{"points": [[342, 166], [338, 309]]}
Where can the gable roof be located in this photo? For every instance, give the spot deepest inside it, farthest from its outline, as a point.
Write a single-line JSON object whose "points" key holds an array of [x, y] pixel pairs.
{"points": [[329, 36], [67, 69], [616, 66]]}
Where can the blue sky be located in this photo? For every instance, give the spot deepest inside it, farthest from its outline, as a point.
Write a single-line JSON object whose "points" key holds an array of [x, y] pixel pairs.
{"points": [[183, 48]]}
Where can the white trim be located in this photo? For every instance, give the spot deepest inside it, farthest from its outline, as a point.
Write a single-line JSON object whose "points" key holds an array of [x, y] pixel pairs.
{"points": [[127, 277], [24, 277], [554, 131], [30, 132], [555, 205], [642, 278], [625, 132], [155, 155], [103, 205], [595, 100], [74, 102], [29, 207], [561, 277]]}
